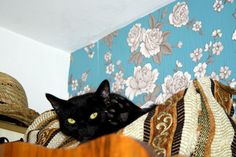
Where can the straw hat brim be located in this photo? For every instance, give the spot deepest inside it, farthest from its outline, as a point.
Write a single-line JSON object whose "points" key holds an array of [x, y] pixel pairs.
{"points": [[18, 112]]}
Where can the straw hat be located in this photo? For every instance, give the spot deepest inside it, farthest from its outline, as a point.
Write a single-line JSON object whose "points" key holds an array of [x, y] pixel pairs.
{"points": [[13, 102]]}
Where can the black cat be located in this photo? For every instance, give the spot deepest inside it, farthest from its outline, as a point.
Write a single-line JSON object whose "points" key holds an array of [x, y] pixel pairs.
{"points": [[95, 114]]}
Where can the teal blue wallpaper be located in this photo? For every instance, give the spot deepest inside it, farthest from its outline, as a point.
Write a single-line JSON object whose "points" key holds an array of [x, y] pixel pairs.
{"points": [[161, 53]]}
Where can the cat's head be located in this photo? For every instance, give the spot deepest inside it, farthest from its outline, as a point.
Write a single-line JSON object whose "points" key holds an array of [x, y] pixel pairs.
{"points": [[91, 115]]}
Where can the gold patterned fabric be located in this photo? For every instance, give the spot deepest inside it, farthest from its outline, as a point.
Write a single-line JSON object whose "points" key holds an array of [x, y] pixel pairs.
{"points": [[194, 122]]}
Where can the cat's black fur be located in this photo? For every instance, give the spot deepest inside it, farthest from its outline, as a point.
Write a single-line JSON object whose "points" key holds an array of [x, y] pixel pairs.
{"points": [[113, 113]]}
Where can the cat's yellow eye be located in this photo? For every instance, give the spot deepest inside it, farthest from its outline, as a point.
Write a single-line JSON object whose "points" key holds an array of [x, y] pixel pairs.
{"points": [[93, 115], [71, 121]]}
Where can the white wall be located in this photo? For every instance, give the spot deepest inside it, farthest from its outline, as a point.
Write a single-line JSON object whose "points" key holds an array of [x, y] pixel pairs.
{"points": [[38, 67]]}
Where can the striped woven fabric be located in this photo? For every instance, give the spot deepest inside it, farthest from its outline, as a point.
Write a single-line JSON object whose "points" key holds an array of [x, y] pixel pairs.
{"points": [[194, 122]]}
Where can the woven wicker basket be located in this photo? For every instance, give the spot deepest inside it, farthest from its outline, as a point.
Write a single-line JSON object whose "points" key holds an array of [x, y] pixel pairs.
{"points": [[13, 100]]}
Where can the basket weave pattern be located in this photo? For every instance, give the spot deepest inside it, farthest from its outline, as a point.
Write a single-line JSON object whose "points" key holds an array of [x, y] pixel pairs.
{"points": [[11, 91], [13, 100]]}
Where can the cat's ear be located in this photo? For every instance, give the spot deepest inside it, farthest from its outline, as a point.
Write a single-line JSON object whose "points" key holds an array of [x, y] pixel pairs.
{"points": [[55, 102], [103, 89]]}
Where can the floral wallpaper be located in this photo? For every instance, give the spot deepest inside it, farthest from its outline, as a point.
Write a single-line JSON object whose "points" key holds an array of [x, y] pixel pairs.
{"points": [[161, 53]]}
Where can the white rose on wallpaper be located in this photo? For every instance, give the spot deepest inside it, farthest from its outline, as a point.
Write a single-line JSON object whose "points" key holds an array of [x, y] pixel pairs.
{"points": [[234, 35], [172, 85], [110, 68], [107, 56], [225, 72], [74, 84], [217, 48], [178, 82], [218, 5], [196, 55], [216, 33], [84, 76], [143, 81], [119, 82], [179, 16], [152, 39], [135, 37], [197, 26], [200, 70], [214, 76]]}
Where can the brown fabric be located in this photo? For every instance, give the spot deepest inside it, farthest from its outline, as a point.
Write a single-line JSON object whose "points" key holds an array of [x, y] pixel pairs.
{"points": [[179, 127], [45, 135], [163, 125], [147, 128], [223, 95]]}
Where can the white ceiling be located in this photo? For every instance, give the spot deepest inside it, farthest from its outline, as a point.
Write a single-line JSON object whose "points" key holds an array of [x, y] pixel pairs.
{"points": [[72, 24]]}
